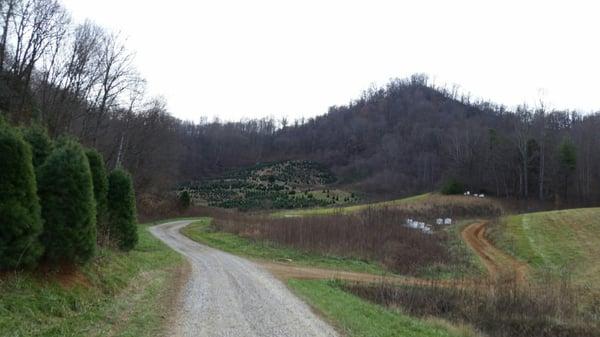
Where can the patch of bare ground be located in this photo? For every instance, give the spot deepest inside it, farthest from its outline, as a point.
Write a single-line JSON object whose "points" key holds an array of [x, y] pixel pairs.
{"points": [[285, 272], [67, 276]]}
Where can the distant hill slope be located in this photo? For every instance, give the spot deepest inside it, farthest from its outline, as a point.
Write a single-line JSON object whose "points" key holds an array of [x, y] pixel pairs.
{"points": [[277, 185], [410, 137], [565, 242]]}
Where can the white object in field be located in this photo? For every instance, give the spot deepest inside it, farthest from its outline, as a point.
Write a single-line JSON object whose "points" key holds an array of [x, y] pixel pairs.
{"points": [[482, 196], [439, 221], [427, 230], [409, 222], [468, 193], [447, 221], [476, 195], [421, 225]]}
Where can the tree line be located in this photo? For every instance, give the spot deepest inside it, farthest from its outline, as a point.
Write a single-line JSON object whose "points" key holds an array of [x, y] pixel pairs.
{"points": [[57, 201], [406, 137]]}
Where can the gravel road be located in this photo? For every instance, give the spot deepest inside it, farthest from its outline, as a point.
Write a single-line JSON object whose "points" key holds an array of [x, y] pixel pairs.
{"points": [[229, 296]]}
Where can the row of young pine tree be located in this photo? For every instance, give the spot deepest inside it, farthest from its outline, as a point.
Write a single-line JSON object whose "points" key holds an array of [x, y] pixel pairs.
{"points": [[57, 202]]}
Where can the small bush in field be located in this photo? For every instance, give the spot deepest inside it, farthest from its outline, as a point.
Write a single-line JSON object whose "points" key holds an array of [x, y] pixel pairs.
{"points": [[68, 207], [100, 184], [451, 187], [185, 200], [20, 222], [41, 145], [121, 210]]}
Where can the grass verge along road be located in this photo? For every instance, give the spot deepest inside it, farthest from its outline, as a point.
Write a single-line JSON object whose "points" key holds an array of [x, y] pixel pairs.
{"points": [[118, 294]]}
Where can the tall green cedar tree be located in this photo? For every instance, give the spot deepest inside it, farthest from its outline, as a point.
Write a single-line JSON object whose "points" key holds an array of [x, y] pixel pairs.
{"points": [[567, 156], [185, 200], [100, 182], [41, 145], [20, 222], [121, 210], [68, 206]]}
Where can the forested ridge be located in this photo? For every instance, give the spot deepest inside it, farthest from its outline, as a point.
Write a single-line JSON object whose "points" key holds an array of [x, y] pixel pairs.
{"points": [[406, 137]]}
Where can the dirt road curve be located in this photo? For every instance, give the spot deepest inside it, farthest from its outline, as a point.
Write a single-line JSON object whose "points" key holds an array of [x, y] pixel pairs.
{"points": [[230, 296], [497, 262]]}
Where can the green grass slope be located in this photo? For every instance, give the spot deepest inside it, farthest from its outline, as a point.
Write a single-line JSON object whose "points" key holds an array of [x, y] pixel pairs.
{"points": [[117, 294], [556, 242]]}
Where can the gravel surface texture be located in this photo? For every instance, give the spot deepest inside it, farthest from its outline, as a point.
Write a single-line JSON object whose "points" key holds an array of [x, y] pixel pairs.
{"points": [[229, 296]]}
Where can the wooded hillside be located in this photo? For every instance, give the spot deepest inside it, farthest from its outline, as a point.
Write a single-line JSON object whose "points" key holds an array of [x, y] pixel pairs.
{"points": [[404, 138]]}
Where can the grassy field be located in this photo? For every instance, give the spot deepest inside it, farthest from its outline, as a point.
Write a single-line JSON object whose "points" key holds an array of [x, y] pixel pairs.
{"points": [[349, 209], [118, 294], [359, 318], [566, 241], [201, 231]]}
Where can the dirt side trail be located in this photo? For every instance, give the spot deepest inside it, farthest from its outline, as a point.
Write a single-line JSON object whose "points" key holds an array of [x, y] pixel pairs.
{"points": [[498, 263], [285, 271]]}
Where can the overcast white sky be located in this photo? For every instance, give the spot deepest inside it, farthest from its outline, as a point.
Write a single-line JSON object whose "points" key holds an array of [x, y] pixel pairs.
{"points": [[241, 59]]}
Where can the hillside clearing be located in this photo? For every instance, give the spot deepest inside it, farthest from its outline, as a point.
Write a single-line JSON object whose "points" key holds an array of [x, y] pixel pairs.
{"points": [[277, 185]]}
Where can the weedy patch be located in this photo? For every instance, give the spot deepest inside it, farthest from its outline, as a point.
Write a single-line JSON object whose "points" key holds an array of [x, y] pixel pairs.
{"points": [[499, 309]]}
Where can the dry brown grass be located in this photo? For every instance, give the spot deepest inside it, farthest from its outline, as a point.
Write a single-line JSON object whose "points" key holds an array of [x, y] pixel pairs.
{"points": [[503, 308], [373, 234]]}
